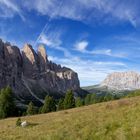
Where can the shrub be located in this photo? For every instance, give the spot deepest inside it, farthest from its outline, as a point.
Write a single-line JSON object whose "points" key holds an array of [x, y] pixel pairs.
{"points": [[18, 122]]}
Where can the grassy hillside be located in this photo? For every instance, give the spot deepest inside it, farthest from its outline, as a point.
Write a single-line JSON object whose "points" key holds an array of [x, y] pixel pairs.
{"points": [[115, 120]]}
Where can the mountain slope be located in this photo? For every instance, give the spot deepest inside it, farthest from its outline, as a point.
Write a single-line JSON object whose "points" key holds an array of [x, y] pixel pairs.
{"points": [[111, 120]]}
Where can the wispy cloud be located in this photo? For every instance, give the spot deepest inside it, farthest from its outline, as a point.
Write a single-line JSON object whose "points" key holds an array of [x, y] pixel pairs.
{"points": [[88, 10], [50, 41], [9, 9], [102, 52], [82, 46], [90, 72], [54, 41], [109, 52]]}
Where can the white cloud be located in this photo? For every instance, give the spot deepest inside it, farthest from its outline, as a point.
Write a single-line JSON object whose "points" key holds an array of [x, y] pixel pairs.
{"points": [[53, 40], [90, 72], [103, 51], [81, 46], [9, 9], [109, 52], [87, 10]]}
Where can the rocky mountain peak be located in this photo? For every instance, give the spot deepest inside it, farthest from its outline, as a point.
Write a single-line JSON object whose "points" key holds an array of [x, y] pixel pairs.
{"points": [[29, 53], [42, 51], [43, 60], [31, 75], [129, 80], [30, 61]]}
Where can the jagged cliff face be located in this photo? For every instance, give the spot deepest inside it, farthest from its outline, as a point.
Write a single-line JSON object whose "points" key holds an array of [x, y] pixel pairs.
{"points": [[32, 75], [122, 81]]}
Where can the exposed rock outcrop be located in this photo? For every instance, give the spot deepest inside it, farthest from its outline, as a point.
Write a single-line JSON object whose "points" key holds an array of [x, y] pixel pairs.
{"points": [[31, 75], [122, 81]]}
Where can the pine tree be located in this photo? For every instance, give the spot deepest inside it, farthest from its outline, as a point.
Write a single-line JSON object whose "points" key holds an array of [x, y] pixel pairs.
{"points": [[108, 97], [40, 110], [31, 109], [52, 104], [93, 98], [7, 106], [60, 104], [49, 105], [69, 101], [88, 99], [78, 102]]}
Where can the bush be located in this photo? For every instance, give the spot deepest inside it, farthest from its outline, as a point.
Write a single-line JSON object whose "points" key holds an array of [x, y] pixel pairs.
{"points": [[18, 122]]}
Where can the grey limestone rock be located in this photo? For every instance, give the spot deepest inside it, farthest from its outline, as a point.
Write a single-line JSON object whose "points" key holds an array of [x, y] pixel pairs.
{"points": [[129, 80], [31, 75]]}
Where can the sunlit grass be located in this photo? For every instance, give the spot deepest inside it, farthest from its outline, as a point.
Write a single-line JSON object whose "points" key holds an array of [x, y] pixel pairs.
{"points": [[115, 120]]}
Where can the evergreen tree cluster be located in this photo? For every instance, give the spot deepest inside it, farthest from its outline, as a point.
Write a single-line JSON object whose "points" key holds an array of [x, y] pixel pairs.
{"points": [[7, 105], [50, 104], [94, 98], [8, 108]]}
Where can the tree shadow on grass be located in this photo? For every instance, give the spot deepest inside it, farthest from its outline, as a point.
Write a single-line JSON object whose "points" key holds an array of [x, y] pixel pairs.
{"points": [[32, 124]]}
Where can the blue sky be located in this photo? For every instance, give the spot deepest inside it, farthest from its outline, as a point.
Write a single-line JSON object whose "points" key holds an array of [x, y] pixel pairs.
{"points": [[93, 37]]}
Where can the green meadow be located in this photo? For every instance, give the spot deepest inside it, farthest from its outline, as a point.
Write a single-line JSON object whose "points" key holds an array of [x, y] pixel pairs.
{"points": [[113, 120]]}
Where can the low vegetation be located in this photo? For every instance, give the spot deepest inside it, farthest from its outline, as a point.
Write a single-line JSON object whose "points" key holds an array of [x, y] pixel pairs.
{"points": [[113, 120], [104, 120], [8, 108], [134, 93]]}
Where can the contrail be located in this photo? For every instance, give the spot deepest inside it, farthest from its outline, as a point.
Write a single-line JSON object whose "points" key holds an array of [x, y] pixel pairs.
{"points": [[46, 27]]}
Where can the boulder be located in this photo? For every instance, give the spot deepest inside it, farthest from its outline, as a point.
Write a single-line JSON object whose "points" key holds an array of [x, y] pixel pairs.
{"points": [[24, 124]]}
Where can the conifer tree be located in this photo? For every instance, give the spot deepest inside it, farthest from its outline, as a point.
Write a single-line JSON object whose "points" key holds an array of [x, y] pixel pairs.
{"points": [[87, 99], [69, 101], [31, 109], [78, 102], [7, 105], [49, 105], [60, 104], [93, 98]]}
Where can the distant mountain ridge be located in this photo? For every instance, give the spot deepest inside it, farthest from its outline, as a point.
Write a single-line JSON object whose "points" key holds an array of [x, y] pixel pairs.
{"points": [[117, 83], [129, 80]]}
